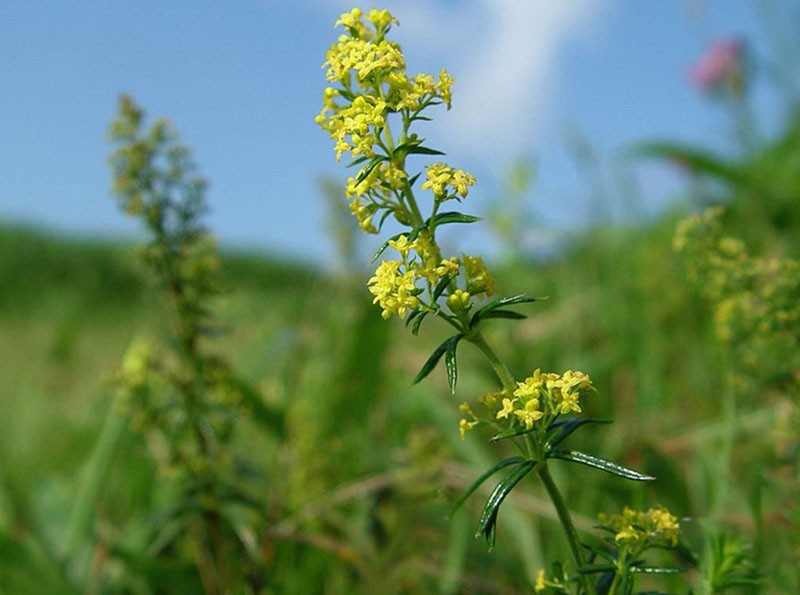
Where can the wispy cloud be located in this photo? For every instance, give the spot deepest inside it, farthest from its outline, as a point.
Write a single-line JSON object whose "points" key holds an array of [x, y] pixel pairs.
{"points": [[509, 82], [505, 57]]}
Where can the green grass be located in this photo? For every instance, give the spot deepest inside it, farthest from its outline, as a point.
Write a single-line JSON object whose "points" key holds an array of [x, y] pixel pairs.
{"points": [[361, 476]]}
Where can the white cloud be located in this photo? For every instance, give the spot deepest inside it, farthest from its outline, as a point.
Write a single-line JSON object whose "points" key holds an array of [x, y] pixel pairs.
{"points": [[505, 57], [509, 82]]}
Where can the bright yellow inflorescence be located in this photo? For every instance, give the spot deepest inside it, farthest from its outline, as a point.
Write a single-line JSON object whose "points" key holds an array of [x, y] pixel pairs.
{"points": [[537, 401], [398, 285], [545, 395], [394, 289], [446, 182], [369, 93], [373, 85], [638, 530]]}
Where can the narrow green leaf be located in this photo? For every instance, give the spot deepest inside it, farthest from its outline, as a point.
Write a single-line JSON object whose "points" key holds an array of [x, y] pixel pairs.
{"points": [[441, 286], [452, 217], [497, 304], [429, 365], [451, 365], [413, 180], [413, 147], [483, 477], [418, 322], [357, 161], [420, 150], [510, 314], [511, 433], [385, 216], [582, 458], [654, 570], [596, 568], [561, 429], [414, 314], [604, 553], [488, 521]]}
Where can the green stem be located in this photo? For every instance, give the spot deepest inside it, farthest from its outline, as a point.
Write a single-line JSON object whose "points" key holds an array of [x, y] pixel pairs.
{"points": [[509, 384], [502, 371], [566, 522]]}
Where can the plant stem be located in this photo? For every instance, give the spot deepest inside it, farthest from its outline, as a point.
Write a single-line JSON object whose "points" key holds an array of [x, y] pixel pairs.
{"points": [[508, 382], [502, 371], [566, 522]]}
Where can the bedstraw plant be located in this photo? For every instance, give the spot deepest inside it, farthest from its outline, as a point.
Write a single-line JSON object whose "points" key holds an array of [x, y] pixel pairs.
{"points": [[370, 109], [183, 397]]}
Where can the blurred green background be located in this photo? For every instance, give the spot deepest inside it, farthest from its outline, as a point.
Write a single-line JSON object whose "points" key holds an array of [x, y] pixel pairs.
{"points": [[358, 478]]}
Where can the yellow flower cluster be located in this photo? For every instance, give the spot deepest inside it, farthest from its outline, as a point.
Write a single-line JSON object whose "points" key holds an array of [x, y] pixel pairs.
{"points": [[545, 395], [459, 301], [370, 87], [379, 182], [381, 20], [353, 127], [446, 182], [394, 289], [363, 213], [479, 280], [384, 86], [641, 529], [465, 425], [395, 284]]}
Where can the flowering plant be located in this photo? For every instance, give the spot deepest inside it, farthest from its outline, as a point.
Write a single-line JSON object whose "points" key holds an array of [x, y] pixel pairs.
{"points": [[184, 398], [722, 68], [369, 110]]}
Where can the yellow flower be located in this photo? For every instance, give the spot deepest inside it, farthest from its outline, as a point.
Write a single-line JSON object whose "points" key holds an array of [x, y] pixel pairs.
{"points": [[569, 403], [402, 245], [643, 529], [448, 267], [414, 94], [628, 533], [394, 290], [440, 176], [383, 56], [444, 87], [540, 585], [490, 400], [381, 19], [458, 301], [363, 214], [479, 280], [530, 413], [576, 379], [530, 387], [136, 364], [465, 426], [508, 409], [351, 20]]}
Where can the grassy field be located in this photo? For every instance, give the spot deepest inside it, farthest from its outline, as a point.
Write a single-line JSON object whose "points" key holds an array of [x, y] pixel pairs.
{"points": [[360, 472]]}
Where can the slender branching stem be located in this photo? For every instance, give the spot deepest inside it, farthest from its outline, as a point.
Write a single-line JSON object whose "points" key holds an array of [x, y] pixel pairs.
{"points": [[566, 522]]}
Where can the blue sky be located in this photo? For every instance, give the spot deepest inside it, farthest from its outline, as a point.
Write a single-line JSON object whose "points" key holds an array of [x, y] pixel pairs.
{"points": [[241, 81]]}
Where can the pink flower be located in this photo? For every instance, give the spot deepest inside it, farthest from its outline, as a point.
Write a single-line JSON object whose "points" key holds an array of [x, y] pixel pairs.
{"points": [[721, 67]]}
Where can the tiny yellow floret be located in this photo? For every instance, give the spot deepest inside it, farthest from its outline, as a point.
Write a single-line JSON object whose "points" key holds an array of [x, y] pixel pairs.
{"points": [[540, 585]]}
